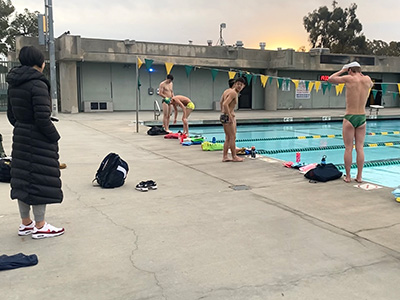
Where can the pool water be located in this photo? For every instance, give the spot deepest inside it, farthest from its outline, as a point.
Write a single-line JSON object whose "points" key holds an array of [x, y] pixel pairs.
{"points": [[313, 140]]}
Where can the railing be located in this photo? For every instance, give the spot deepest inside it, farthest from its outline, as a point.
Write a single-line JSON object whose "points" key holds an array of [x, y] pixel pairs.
{"points": [[3, 96], [5, 66], [157, 110]]}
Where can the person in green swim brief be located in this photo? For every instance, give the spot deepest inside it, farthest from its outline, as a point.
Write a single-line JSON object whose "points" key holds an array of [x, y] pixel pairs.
{"points": [[358, 86], [166, 92]]}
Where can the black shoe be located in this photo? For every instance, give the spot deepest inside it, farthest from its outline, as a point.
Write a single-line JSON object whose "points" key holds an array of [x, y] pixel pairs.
{"points": [[152, 185], [142, 186]]}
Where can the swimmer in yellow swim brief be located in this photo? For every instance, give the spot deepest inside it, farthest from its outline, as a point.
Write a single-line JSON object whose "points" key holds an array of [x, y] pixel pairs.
{"points": [[187, 107], [356, 120]]}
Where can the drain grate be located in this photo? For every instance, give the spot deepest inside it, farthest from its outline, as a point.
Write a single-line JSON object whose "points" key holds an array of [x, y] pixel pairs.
{"points": [[240, 187]]}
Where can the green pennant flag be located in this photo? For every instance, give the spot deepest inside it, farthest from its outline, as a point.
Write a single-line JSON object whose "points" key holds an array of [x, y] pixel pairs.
{"points": [[188, 70], [270, 80], [148, 63], [249, 77], [287, 82], [384, 88], [324, 86], [214, 73], [374, 92], [240, 73], [329, 86], [280, 80], [307, 83]]}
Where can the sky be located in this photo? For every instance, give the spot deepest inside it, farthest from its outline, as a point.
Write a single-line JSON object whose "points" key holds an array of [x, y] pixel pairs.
{"points": [[278, 23]]}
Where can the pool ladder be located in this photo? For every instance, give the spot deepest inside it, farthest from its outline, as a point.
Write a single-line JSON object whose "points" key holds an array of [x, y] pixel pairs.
{"points": [[157, 110]]}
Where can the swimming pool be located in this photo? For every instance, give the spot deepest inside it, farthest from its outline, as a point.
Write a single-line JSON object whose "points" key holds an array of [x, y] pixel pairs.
{"points": [[313, 140]]}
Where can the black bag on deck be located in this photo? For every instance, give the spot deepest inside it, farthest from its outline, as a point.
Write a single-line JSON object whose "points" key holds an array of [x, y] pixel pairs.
{"points": [[112, 171], [156, 130], [5, 170], [324, 173]]}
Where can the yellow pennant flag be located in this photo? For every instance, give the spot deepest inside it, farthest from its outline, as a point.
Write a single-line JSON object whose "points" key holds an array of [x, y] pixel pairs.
{"points": [[296, 83], [232, 74], [317, 85], [311, 85], [139, 62], [264, 79], [398, 87], [168, 66], [339, 88]]}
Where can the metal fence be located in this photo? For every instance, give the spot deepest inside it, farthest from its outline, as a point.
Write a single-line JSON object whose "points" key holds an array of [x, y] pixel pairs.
{"points": [[5, 66]]}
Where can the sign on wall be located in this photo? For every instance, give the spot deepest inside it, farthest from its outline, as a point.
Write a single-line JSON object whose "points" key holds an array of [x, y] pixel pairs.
{"points": [[286, 85], [301, 91]]}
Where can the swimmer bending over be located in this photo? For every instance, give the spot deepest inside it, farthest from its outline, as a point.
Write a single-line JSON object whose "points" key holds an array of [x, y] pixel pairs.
{"points": [[187, 107]]}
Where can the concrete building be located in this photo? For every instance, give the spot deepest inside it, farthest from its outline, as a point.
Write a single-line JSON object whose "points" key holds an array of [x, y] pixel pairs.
{"points": [[99, 75]]}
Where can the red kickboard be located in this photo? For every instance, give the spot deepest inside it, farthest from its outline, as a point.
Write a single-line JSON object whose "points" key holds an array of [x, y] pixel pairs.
{"points": [[171, 136]]}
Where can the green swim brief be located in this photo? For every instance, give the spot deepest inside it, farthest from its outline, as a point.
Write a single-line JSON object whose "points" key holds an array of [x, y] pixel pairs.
{"points": [[356, 120], [166, 100]]}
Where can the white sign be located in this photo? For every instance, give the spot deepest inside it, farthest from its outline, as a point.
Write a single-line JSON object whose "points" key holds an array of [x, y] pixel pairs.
{"points": [[301, 91]]}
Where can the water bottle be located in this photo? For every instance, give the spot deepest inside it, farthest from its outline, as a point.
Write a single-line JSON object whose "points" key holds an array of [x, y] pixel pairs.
{"points": [[323, 160], [253, 152], [298, 157], [214, 140], [182, 137]]}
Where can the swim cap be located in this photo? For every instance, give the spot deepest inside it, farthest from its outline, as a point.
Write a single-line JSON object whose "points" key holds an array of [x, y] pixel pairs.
{"points": [[352, 64], [167, 100]]}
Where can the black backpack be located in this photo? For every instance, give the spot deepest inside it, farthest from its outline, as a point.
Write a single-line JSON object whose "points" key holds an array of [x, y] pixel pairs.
{"points": [[323, 173], [112, 171], [156, 130], [5, 170]]}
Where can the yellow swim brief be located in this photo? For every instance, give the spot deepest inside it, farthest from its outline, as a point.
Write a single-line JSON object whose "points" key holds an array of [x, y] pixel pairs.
{"points": [[190, 105]]}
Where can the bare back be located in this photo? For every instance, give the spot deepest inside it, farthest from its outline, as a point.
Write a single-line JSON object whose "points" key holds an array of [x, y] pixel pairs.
{"points": [[185, 100], [357, 92]]}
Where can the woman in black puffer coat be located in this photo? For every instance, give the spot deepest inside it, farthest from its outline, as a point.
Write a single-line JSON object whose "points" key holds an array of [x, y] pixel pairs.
{"points": [[35, 173]]}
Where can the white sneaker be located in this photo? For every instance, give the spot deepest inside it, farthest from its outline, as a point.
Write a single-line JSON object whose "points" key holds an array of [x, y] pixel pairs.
{"points": [[47, 231], [26, 229]]}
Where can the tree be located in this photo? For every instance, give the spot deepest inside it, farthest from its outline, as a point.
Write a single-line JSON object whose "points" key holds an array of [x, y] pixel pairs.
{"points": [[339, 30], [22, 24], [379, 47], [6, 9], [393, 49], [25, 24]]}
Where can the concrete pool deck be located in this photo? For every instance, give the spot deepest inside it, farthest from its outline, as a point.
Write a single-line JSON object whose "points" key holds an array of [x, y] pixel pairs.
{"points": [[276, 236]]}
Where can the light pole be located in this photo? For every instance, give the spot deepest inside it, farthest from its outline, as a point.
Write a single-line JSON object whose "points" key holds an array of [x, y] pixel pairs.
{"points": [[221, 39], [52, 56]]}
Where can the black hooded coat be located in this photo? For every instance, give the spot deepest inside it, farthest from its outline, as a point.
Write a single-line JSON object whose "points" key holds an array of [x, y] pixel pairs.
{"points": [[35, 169]]}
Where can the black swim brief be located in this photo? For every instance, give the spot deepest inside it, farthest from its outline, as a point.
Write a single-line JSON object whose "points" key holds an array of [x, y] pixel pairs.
{"points": [[224, 118]]}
